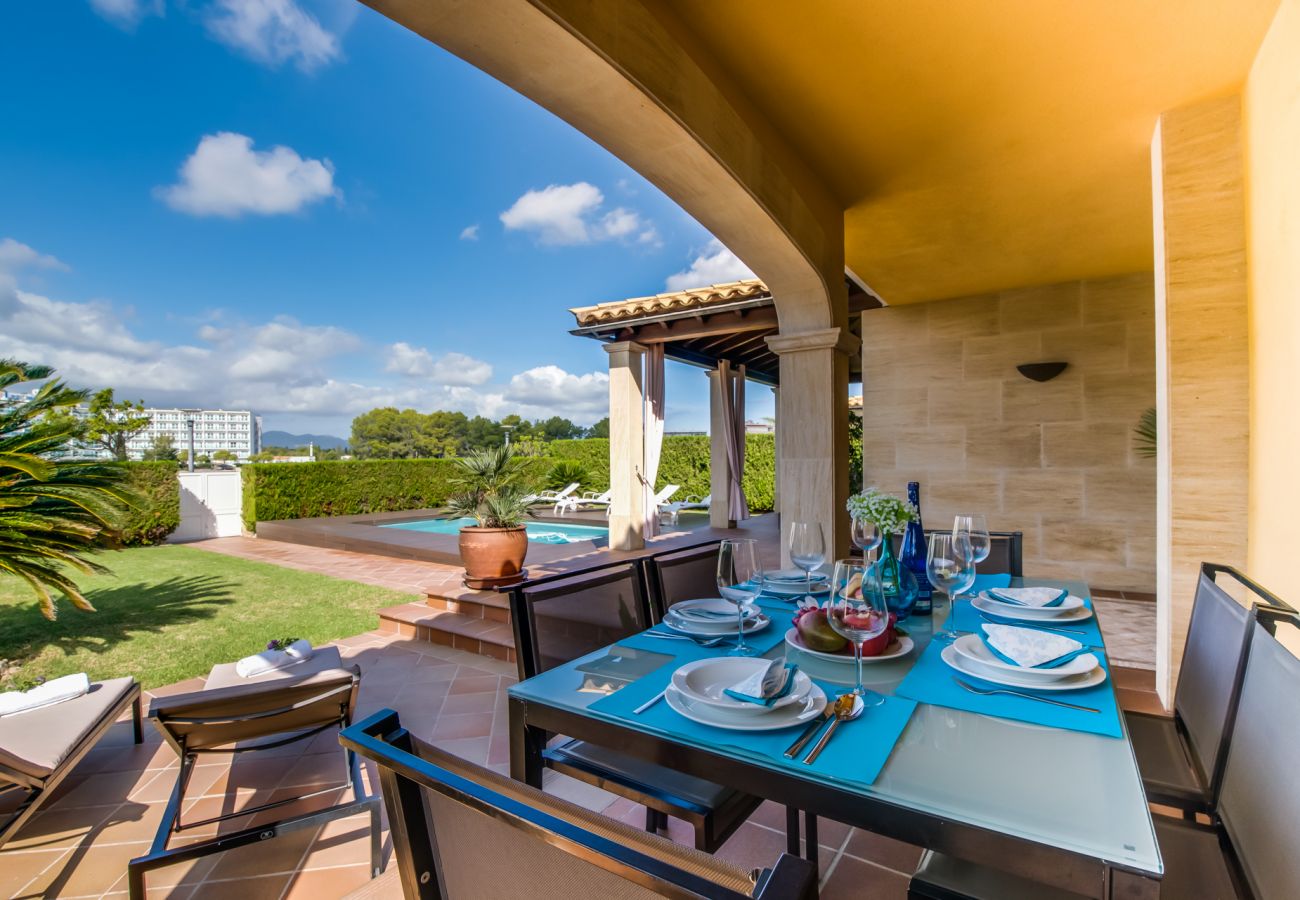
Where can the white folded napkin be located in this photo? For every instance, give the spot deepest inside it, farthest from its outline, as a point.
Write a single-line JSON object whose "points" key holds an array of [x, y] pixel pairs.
{"points": [[1037, 597], [1029, 647], [56, 690], [766, 684], [270, 660]]}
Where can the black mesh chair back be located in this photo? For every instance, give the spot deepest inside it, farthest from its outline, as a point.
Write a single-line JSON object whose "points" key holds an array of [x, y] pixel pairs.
{"points": [[574, 616], [683, 575], [1260, 793], [1006, 553]]}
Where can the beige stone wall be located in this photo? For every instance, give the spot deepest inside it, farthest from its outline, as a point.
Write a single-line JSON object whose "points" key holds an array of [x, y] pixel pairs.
{"points": [[944, 405]]}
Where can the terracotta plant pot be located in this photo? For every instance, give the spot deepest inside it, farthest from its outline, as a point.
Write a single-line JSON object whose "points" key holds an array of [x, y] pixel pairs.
{"points": [[492, 556]]}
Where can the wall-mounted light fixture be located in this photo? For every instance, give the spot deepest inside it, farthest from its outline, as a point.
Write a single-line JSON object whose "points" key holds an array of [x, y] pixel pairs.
{"points": [[1042, 371]]}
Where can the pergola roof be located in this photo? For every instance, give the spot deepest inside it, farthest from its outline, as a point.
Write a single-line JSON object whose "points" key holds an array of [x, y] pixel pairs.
{"points": [[701, 326]]}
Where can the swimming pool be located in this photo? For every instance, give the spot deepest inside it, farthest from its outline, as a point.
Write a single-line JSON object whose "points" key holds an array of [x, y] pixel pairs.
{"points": [[538, 532]]}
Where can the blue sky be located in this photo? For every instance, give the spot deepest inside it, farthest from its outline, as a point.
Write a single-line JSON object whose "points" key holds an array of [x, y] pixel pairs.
{"points": [[299, 207]]}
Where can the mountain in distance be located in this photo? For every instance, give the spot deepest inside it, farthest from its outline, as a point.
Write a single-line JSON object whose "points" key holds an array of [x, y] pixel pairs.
{"points": [[285, 439]]}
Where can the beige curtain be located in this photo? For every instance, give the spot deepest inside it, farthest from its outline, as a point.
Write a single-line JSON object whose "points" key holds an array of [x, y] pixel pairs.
{"points": [[732, 388], [653, 386]]}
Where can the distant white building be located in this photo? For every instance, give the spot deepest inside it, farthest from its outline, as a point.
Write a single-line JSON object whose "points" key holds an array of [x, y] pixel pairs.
{"points": [[236, 431]]}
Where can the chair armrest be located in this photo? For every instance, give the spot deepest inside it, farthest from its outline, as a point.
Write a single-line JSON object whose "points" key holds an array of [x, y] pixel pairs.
{"points": [[792, 878]]}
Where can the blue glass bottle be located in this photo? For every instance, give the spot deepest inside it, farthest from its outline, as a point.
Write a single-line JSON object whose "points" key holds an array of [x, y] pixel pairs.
{"points": [[913, 552]]}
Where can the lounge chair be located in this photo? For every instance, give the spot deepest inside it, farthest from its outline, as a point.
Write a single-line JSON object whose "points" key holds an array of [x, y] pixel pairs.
{"points": [[549, 496], [590, 498], [460, 830], [662, 497], [691, 502], [240, 715], [39, 748]]}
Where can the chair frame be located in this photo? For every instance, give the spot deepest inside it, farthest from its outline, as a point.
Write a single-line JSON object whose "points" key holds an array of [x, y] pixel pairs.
{"points": [[159, 855], [404, 775], [40, 789], [1213, 780], [1015, 556]]}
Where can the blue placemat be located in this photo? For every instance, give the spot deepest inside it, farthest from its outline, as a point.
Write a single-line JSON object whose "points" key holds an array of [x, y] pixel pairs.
{"points": [[854, 756], [760, 642], [968, 618], [931, 681]]}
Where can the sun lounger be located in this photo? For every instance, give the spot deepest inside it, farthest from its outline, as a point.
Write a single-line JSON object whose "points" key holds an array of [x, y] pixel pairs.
{"points": [[691, 502], [592, 499], [549, 496], [239, 715], [39, 748]]}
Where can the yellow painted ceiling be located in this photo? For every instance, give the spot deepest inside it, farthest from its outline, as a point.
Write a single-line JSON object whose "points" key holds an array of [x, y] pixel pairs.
{"points": [[978, 145]]}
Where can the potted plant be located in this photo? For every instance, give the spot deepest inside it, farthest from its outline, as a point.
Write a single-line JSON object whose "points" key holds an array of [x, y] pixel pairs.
{"points": [[492, 550]]}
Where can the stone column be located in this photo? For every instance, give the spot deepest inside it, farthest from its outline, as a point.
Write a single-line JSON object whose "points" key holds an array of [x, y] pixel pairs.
{"points": [[719, 464], [812, 444], [626, 445], [776, 449], [1202, 361]]}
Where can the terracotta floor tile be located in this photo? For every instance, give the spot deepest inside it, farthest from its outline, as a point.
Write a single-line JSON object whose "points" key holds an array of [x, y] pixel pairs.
{"points": [[469, 725], [343, 842], [86, 870], [884, 851], [279, 854], [19, 869], [473, 749], [470, 703], [468, 684], [265, 887], [754, 846], [335, 882], [829, 832], [852, 879], [57, 827]]}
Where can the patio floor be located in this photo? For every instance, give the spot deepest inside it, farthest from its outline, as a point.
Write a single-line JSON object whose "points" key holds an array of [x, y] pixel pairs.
{"points": [[107, 810]]}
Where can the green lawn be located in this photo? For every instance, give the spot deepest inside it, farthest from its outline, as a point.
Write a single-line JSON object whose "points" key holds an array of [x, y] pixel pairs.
{"points": [[169, 613]]}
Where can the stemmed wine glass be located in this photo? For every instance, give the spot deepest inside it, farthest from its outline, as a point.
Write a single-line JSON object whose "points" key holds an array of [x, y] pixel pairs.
{"points": [[740, 580], [857, 613], [950, 567], [866, 536], [807, 550]]}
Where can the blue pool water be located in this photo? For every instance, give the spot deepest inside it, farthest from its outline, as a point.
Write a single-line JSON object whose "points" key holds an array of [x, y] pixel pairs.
{"points": [[538, 532]]}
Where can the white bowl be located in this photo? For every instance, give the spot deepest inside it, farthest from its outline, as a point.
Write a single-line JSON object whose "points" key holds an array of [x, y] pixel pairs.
{"points": [[706, 680]]}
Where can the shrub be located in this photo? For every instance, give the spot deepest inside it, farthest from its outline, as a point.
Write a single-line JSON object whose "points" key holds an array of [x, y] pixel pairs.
{"points": [[565, 472], [157, 512], [345, 488]]}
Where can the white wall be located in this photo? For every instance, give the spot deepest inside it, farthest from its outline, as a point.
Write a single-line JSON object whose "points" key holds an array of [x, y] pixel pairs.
{"points": [[210, 506]]}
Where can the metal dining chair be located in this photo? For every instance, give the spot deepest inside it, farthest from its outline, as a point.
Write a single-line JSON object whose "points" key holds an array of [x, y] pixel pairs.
{"points": [[1181, 758], [558, 621], [1006, 553], [463, 831], [679, 575]]}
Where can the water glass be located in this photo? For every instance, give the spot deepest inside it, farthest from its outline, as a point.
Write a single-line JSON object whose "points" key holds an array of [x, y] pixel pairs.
{"points": [[807, 549], [857, 613], [740, 579], [950, 566], [866, 536], [976, 532]]}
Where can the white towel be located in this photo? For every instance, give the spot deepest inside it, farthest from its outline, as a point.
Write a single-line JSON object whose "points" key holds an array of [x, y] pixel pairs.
{"points": [[270, 660], [1029, 647], [69, 687]]}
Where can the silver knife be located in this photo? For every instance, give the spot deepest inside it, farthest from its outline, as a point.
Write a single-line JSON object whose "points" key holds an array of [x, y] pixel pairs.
{"points": [[812, 729]]}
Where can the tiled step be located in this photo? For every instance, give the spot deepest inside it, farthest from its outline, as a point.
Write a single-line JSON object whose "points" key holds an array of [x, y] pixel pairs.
{"points": [[477, 627]]}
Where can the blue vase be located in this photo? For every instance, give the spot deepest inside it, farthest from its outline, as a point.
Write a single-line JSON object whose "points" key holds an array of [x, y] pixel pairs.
{"points": [[899, 584]]}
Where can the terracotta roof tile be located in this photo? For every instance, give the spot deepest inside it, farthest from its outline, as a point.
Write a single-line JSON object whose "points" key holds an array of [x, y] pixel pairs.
{"points": [[674, 301]]}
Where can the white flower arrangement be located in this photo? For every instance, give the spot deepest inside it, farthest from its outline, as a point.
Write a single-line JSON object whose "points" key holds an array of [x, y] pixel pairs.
{"points": [[890, 514]]}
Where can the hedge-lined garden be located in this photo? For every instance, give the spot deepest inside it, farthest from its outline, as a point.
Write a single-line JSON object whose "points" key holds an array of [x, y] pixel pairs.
{"points": [[307, 490], [157, 512]]}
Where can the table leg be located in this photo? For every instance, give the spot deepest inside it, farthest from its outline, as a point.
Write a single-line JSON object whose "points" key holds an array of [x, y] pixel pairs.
{"points": [[526, 744], [792, 830], [810, 838], [1129, 886]]}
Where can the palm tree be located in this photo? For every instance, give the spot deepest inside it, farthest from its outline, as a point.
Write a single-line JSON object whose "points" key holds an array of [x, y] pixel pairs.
{"points": [[54, 510]]}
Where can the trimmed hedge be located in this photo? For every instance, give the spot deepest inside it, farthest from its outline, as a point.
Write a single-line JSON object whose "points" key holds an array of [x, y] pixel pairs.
{"points": [[158, 512], [346, 488]]}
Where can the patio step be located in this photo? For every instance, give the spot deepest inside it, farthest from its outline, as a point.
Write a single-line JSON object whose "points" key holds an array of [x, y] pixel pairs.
{"points": [[478, 627]]}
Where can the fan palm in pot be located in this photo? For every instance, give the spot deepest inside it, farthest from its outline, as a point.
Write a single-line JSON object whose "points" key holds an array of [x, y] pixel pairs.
{"points": [[492, 550]]}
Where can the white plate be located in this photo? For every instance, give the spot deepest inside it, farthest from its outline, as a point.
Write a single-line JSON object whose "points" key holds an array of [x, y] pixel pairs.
{"points": [[1078, 613], [713, 609], [973, 649], [793, 575], [1070, 603], [796, 589], [713, 629], [786, 717], [901, 647], [705, 682], [1073, 683]]}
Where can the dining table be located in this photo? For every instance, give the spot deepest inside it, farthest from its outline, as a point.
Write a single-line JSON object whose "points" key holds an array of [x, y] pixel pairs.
{"points": [[1051, 795]]}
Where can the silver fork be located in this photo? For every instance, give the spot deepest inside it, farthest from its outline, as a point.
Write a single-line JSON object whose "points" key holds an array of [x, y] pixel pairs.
{"points": [[703, 642], [988, 691]]}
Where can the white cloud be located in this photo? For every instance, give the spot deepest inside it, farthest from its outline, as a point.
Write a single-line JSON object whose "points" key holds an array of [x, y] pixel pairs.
{"points": [[15, 255], [126, 14], [550, 390], [272, 32], [715, 264], [469, 233], [452, 369], [567, 214], [225, 176]]}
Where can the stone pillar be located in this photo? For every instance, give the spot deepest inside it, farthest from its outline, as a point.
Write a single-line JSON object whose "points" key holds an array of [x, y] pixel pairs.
{"points": [[776, 449], [719, 464], [626, 445], [1202, 361], [813, 441]]}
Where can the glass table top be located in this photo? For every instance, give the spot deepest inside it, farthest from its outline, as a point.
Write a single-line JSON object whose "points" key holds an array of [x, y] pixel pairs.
{"points": [[1067, 789]]}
